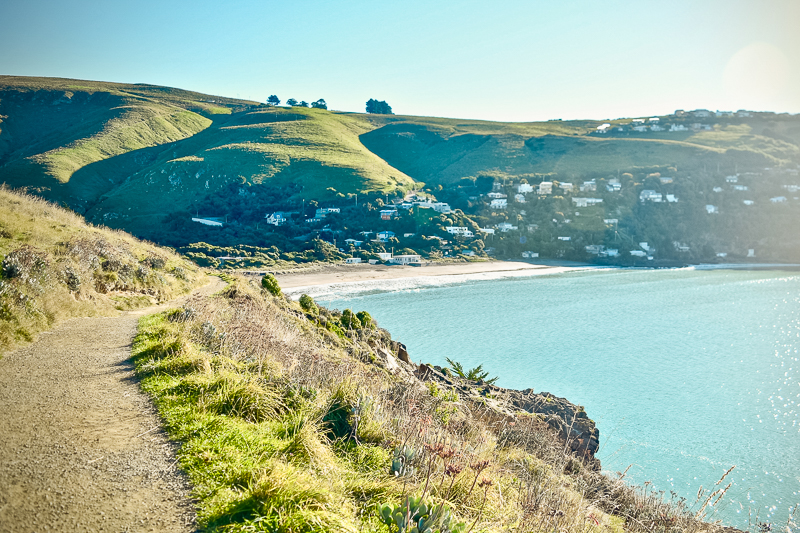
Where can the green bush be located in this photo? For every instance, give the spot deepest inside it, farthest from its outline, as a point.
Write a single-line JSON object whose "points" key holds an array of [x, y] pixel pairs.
{"points": [[308, 305], [366, 320], [269, 283], [350, 320]]}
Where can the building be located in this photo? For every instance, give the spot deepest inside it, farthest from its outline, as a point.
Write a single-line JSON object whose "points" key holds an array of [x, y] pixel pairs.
{"points": [[665, 180], [740, 187], [680, 247], [384, 256], [678, 127], [207, 222], [566, 187], [442, 207], [640, 128], [610, 221], [603, 128], [717, 189], [505, 227], [276, 219], [499, 203], [388, 214], [565, 238], [497, 195], [524, 187], [546, 187], [646, 247], [648, 195], [405, 260], [638, 253], [407, 235], [530, 255], [588, 186], [613, 185], [595, 249], [671, 198], [322, 212], [385, 235], [701, 113], [748, 202], [731, 179], [354, 242], [488, 231], [352, 260], [459, 230], [776, 200], [656, 127], [712, 209], [586, 202]]}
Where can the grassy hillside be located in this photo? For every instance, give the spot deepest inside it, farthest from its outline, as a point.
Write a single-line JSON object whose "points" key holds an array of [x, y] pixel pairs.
{"points": [[300, 419], [55, 266]]}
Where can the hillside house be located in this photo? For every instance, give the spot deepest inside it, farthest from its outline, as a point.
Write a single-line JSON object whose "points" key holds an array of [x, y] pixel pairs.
{"points": [[506, 227], [530, 255], [640, 128], [497, 195], [613, 185], [646, 247], [610, 221], [638, 253], [654, 120], [680, 247], [519, 198], [588, 186], [665, 179], [648, 195], [322, 212], [751, 252], [532, 227], [722, 254], [566, 187], [586, 202], [678, 127], [792, 188], [565, 238], [207, 222], [277, 218], [384, 256], [353, 242], [352, 260], [731, 179], [712, 209], [701, 113], [499, 203], [524, 188], [388, 214], [603, 128], [407, 235], [442, 207], [717, 189], [671, 198], [595, 249], [488, 231], [459, 230], [778, 200], [384, 236], [748, 202], [546, 187], [637, 121], [740, 187], [410, 259], [656, 127]]}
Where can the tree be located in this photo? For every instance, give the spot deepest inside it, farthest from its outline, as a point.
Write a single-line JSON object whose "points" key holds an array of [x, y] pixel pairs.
{"points": [[303, 104], [308, 305], [273, 100], [319, 104], [378, 107], [292, 102], [269, 283]]}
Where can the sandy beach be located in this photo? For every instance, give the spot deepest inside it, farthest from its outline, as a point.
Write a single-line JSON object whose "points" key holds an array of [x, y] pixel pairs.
{"points": [[339, 274]]}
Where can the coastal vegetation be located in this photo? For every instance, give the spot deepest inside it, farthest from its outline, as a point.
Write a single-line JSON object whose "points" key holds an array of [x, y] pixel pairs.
{"points": [[55, 266], [294, 417]]}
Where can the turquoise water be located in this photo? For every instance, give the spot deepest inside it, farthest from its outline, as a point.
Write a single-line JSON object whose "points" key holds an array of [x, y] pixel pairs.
{"points": [[686, 372]]}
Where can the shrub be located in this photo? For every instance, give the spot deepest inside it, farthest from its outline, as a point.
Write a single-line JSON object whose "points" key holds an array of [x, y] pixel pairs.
{"points": [[366, 320], [350, 320], [308, 305], [269, 283]]}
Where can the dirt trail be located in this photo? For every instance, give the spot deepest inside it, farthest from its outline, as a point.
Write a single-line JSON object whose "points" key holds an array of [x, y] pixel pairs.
{"points": [[81, 448]]}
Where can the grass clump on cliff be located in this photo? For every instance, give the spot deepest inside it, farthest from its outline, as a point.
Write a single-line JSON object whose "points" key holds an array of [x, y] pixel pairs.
{"points": [[291, 421], [54, 266]]}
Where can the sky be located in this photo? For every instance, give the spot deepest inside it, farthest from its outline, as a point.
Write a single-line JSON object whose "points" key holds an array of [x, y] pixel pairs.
{"points": [[514, 60]]}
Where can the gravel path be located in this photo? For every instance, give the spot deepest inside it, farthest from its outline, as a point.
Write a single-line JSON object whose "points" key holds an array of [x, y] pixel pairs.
{"points": [[81, 448]]}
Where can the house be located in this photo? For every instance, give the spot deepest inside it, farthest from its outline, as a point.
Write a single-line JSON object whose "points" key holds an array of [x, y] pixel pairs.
{"points": [[603, 128], [497, 195], [207, 222], [519, 198], [613, 185], [751, 253], [656, 127], [743, 114], [532, 227], [611, 252], [712, 209], [717, 189], [405, 205], [458, 230], [648, 195], [442, 207], [524, 187], [588, 186], [654, 120], [565, 238], [499, 203], [701, 113], [671, 198], [352, 260], [566, 187], [388, 214], [792, 188], [731, 179], [610, 221], [322, 212], [678, 127], [411, 259], [366, 233], [640, 128], [595, 249], [748, 202], [313, 220], [776, 200], [680, 247], [638, 253], [740, 187], [725, 113], [384, 256], [722, 254], [586, 202], [488, 231], [637, 121], [505, 227], [385, 235], [530, 255], [546, 187], [407, 235], [646, 247], [373, 261], [665, 179], [277, 218], [354, 242]]}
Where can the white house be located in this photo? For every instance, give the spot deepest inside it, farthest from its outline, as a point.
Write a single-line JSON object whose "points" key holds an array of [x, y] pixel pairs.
{"points": [[524, 187], [586, 202], [566, 187], [207, 221], [748, 202], [530, 255], [792, 188], [505, 227], [712, 209], [407, 235], [610, 221], [678, 127], [740, 187], [648, 195], [680, 247], [646, 247], [352, 260], [546, 187], [565, 238], [276, 219], [603, 128], [701, 113], [654, 120], [588, 186], [672, 198], [637, 121], [441, 207], [595, 249], [751, 252], [384, 256], [717, 189], [519, 198], [354, 242], [499, 203], [638, 253], [656, 127], [731, 179], [322, 212], [613, 185], [458, 230], [778, 200], [665, 179], [497, 195], [722, 254], [405, 260]]}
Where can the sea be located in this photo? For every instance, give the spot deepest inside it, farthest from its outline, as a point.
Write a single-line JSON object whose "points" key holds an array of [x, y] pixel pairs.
{"points": [[687, 372]]}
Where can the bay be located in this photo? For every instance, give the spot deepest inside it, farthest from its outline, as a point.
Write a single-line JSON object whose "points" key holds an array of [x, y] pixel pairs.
{"points": [[686, 372]]}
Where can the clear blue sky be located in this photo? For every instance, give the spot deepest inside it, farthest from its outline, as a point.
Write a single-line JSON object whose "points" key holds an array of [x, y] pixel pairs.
{"points": [[502, 60]]}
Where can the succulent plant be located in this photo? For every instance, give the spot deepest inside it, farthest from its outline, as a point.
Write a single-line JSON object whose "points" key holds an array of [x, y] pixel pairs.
{"points": [[414, 516]]}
